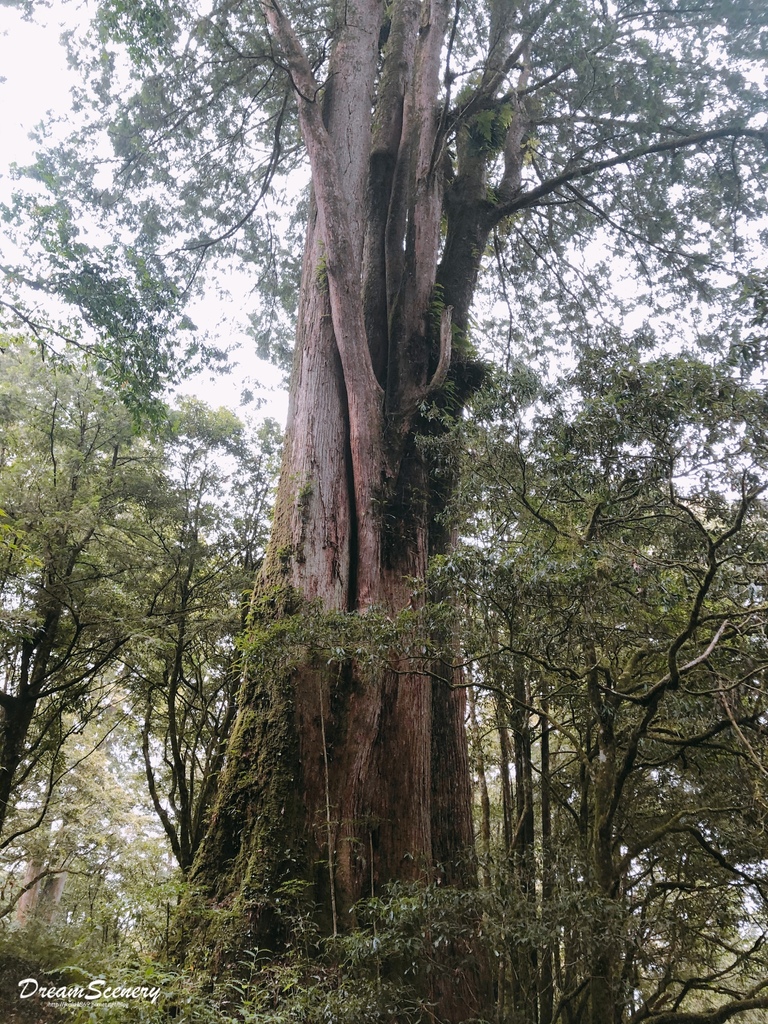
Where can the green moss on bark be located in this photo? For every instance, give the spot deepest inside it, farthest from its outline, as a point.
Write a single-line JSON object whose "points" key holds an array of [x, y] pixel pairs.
{"points": [[255, 840]]}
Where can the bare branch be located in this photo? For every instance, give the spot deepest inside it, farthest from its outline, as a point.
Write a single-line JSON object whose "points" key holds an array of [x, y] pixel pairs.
{"points": [[753, 1001]]}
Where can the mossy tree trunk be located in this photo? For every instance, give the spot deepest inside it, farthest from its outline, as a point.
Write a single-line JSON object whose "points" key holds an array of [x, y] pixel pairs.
{"points": [[367, 770]]}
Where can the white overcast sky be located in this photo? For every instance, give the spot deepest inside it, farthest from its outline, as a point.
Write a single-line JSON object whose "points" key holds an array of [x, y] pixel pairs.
{"points": [[36, 83]]}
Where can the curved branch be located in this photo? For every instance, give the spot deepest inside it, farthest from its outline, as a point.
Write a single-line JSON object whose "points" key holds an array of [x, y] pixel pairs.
{"points": [[269, 173], [752, 1001], [444, 361]]}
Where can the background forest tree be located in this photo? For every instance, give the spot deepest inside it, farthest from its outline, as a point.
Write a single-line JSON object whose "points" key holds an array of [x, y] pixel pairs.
{"points": [[490, 151], [127, 551], [617, 629]]}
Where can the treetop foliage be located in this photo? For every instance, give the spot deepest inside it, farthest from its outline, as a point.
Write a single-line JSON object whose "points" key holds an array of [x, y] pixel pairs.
{"points": [[643, 129]]}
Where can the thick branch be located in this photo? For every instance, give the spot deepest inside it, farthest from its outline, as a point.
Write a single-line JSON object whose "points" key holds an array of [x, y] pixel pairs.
{"points": [[653, 701], [533, 196], [753, 1001], [161, 812], [344, 284]]}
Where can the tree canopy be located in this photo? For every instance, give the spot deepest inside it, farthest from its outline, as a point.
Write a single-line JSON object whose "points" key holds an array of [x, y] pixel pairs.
{"points": [[639, 125]]}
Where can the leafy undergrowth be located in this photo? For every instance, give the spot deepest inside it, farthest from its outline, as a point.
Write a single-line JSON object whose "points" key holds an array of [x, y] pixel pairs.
{"points": [[407, 945]]}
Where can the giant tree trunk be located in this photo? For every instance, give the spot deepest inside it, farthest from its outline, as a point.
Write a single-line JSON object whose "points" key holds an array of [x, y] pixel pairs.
{"points": [[345, 777], [369, 768]]}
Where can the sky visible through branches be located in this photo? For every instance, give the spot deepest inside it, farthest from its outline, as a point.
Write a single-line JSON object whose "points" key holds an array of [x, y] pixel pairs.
{"points": [[35, 84]]}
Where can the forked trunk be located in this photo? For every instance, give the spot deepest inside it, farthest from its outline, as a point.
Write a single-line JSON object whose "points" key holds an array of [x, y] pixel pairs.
{"points": [[339, 774], [346, 775]]}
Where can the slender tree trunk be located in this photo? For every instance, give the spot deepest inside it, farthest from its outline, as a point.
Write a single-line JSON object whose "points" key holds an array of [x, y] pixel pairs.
{"points": [[605, 1002], [524, 860], [482, 783], [546, 970], [507, 790]]}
